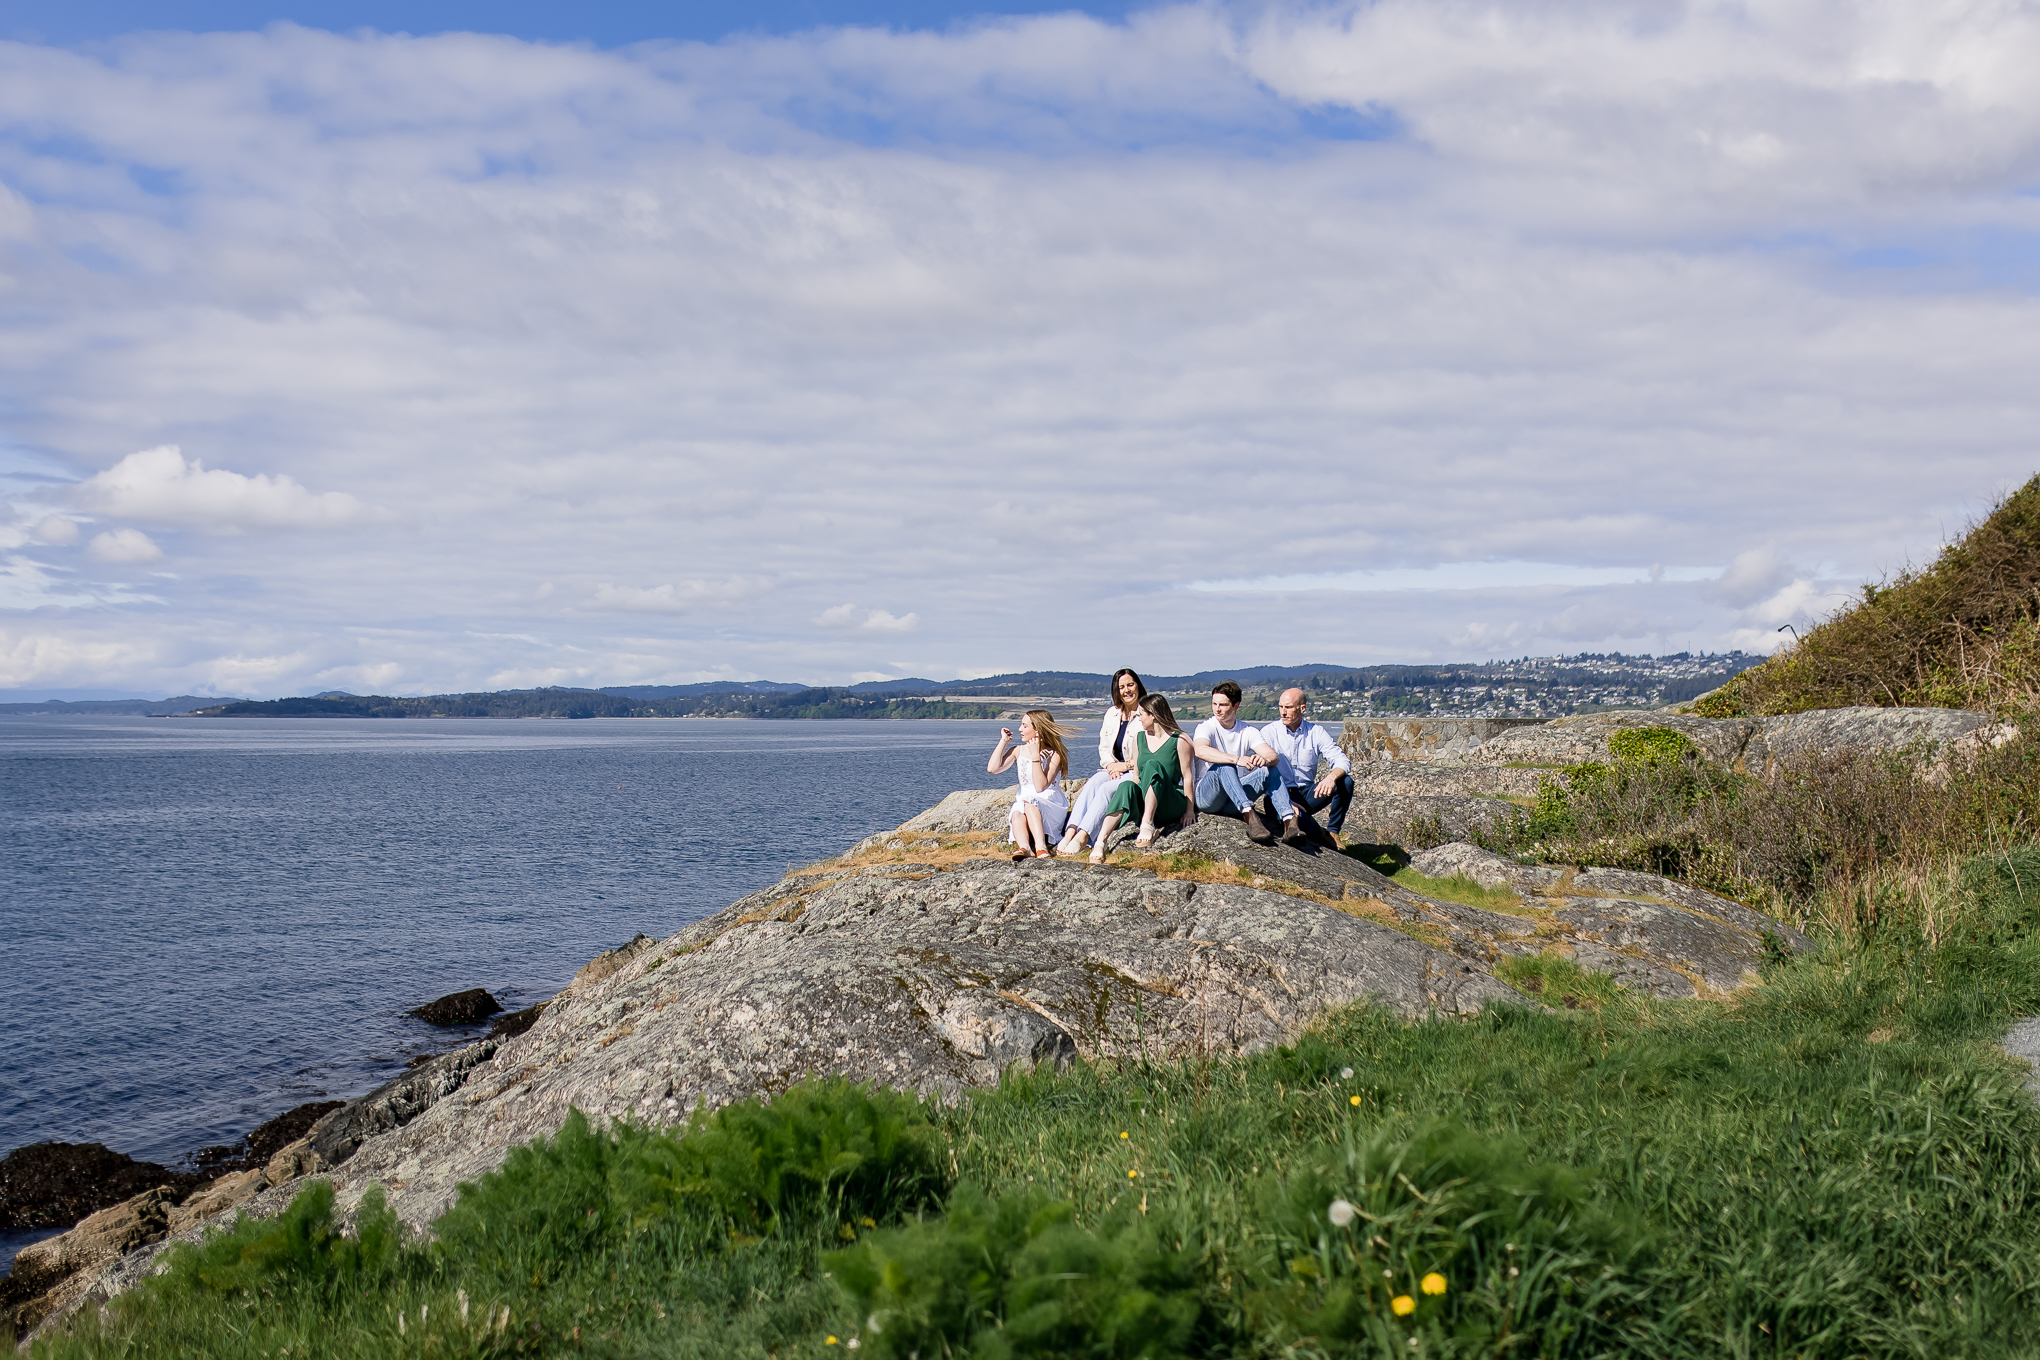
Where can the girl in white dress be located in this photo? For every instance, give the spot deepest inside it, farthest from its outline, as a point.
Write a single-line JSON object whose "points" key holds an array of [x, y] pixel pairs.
{"points": [[1115, 761], [1039, 807]]}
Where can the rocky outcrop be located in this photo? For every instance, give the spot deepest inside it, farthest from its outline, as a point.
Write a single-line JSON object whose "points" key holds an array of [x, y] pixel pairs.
{"points": [[934, 973], [1649, 933], [1757, 746], [917, 976], [51, 1275], [110, 1249], [53, 1185], [1368, 740], [470, 1007], [395, 1103]]}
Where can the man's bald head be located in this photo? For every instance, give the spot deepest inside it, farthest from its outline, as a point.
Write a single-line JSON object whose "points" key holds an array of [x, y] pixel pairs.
{"points": [[1292, 705]]}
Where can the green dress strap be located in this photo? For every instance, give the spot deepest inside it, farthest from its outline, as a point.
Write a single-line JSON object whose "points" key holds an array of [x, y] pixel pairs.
{"points": [[1159, 766]]}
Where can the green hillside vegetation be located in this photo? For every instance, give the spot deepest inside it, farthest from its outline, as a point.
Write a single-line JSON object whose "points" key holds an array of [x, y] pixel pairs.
{"points": [[1841, 1164], [1960, 633], [581, 703]]}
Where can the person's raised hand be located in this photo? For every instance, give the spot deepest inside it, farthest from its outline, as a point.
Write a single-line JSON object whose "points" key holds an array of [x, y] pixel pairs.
{"points": [[1326, 785], [1006, 734]]}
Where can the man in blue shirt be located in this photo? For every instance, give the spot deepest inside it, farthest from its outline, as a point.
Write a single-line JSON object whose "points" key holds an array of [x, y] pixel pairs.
{"points": [[1302, 748]]}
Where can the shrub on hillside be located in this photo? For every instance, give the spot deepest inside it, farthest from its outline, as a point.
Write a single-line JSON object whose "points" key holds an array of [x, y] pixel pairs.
{"points": [[1962, 633], [1824, 820]]}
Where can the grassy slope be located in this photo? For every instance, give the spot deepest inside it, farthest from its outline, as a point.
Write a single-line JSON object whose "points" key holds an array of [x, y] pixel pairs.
{"points": [[1960, 633], [1841, 1165]]}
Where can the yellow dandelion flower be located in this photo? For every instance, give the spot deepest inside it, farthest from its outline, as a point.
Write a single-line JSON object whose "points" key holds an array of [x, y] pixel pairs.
{"points": [[1131, 1174], [1123, 1133], [1434, 1283], [830, 1341], [1354, 1100], [869, 1222], [1402, 1305]]}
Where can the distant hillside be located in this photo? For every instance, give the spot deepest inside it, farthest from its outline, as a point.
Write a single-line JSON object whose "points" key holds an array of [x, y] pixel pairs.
{"points": [[183, 703], [1958, 634], [791, 701]]}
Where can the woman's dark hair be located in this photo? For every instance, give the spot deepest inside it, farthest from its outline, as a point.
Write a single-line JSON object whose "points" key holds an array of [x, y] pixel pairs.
{"points": [[1112, 690], [1159, 706]]}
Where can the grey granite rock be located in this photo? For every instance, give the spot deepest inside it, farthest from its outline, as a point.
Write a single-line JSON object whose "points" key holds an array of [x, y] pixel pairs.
{"points": [[1416, 740], [2022, 1041], [1390, 817], [1794, 737], [1462, 859], [396, 1103], [1414, 779], [936, 977], [1571, 741], [921, 979]]}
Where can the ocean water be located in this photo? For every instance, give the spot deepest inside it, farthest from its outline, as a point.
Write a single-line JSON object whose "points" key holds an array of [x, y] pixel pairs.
{"points": [[204, 922]]}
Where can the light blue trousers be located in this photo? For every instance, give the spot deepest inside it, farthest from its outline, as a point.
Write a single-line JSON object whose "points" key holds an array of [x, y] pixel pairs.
{"points": [[1088, 815], [1224, 787]]}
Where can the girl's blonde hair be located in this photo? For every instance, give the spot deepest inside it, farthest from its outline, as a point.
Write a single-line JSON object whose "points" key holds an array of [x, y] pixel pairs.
{"points": [[1050, 736]]}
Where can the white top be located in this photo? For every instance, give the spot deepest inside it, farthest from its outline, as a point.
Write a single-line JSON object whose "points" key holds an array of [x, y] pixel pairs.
{"points": [[1050, 793], [1238, 740], [1108, 729], [1300, 751]]}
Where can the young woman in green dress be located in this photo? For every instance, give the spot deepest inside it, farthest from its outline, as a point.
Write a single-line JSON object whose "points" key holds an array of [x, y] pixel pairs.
{"points": [[1162, 771]]}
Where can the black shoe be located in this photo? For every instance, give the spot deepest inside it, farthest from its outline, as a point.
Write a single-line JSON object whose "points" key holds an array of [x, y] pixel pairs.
{"points": [[1318, 833], [1293, 834], [1257, 830]]}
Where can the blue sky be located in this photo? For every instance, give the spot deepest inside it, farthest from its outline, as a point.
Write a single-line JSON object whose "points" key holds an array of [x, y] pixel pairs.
{"points": [[602, 25], [428, 350]]}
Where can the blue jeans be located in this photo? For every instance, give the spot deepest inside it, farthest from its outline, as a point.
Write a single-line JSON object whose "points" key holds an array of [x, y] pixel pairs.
{"points": [[1223, 787], [1305, 797]]}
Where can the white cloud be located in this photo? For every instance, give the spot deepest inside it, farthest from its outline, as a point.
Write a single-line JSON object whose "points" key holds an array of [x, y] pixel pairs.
{"points": [[122, 546], [671, 598], [158, 486], [54, 530], [850, 616], [1032, 323], [28, 584]]}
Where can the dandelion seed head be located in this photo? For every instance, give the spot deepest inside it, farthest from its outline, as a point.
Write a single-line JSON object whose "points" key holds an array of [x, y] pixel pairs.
{"points": [[1341, 1213], [1346, 1074]]}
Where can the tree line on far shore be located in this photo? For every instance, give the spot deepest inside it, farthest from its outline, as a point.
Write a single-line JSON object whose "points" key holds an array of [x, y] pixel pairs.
{"points": [[580, 703]]}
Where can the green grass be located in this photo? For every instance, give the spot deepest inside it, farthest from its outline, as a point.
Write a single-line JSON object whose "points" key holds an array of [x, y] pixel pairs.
{"points": [[1655, 1179], [1461, 889]]}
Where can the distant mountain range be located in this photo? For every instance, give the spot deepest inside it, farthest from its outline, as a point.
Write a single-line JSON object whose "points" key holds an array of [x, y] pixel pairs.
{"points": [[1531, 687], [183, 703]]}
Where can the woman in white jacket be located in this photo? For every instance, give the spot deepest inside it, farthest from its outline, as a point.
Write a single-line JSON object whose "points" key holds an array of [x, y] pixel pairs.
{"points": [[1115, 761]]}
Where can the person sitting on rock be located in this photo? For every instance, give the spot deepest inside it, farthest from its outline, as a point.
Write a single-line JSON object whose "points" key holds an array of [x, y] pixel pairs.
{"points": [[1300, 746], [1039, 808], [1235, 767], [1115, 761], [1163, 769]]}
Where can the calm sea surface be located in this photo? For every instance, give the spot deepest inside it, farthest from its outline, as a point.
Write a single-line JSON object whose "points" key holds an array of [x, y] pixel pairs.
{"points": [[204, 922]]}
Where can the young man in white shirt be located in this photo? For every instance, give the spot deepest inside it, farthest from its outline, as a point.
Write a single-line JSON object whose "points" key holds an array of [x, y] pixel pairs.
{"points": [[1299, 747], [1234, 767]]}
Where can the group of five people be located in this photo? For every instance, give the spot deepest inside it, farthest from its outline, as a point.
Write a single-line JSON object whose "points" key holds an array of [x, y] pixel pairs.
{"points": [[1150, 771]]}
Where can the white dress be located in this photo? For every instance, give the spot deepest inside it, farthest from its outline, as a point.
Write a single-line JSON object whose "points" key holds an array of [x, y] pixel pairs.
{"points": [[1055, 807]]}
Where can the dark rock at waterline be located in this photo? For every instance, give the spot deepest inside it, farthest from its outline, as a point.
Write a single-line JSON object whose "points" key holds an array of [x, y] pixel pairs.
{"points": [[53, 1185], [470, 1007], [516, 1022], [265, 1142]]}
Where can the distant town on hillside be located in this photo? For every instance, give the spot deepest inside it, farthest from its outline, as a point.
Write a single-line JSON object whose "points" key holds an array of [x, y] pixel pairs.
{"points": [[1529, 687]]}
